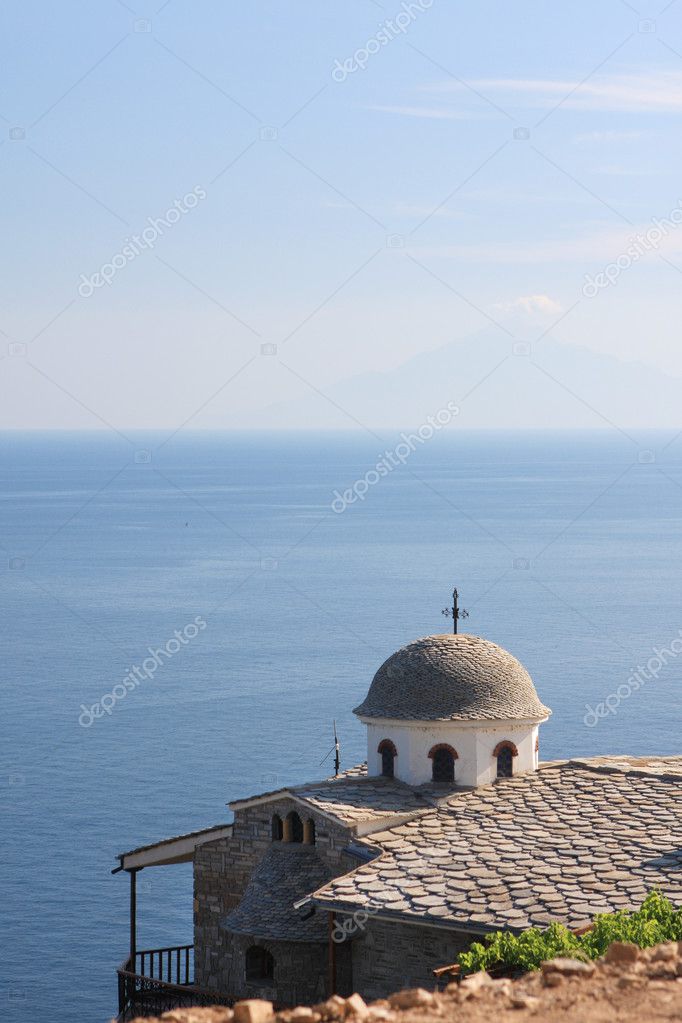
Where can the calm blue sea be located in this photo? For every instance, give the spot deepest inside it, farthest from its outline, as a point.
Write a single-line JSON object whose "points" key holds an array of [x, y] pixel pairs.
{"points": [[567, 549]]}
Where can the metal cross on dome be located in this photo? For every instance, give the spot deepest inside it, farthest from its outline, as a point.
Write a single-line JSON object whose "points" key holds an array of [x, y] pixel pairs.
{"points": [[454, 612]]}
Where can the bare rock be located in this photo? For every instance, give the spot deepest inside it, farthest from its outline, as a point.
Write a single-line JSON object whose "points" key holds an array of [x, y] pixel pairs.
{"points": [[667, 952], [528, 1002], [253, 1010], [568, 967], [553, 979], [631, 980], [474, 983], [379, 1014], [662, 989], [333, 1008], [413, 998], [356, 1007], [662, 970], [302, 1014], [622, 953]]}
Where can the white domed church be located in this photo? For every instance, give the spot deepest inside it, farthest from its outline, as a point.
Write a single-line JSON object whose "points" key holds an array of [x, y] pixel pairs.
{"points": [[371, 880], [452, 708]]}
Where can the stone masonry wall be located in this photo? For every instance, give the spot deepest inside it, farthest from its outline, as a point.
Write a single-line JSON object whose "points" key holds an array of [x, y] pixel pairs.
{"points": [[390, 956], [300, 973], [221, 873]]}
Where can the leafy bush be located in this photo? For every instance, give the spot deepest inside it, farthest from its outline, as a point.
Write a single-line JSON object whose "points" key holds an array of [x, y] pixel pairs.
{"points": [[655, 921]]}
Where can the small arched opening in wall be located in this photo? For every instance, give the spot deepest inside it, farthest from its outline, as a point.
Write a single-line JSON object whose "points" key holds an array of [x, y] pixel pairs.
{"points": [[309, 831], [277, 828], [293, 827], [504, 753], [442, 759], [259, 964], [388, 753]]}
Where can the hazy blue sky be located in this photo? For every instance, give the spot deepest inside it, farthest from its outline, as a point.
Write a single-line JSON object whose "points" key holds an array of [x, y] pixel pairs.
{"points": [[484, 160]]}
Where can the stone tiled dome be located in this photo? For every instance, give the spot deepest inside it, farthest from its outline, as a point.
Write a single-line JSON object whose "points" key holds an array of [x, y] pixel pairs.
{"points": [[445, 678], [286, 873]]}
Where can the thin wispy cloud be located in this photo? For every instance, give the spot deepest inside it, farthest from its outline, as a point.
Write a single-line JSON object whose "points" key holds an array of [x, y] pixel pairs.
{"points": [[634, 92]]}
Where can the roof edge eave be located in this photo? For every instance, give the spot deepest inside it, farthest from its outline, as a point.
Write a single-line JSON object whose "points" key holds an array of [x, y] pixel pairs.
{"points": [[413, 919], [150, 855], [465, 722]]}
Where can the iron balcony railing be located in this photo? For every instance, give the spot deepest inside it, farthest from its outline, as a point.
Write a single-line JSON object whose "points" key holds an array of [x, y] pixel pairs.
{"points": [[161, 979]]}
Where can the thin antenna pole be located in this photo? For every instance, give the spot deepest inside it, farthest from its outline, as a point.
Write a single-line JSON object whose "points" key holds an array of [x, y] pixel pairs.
{"points": [[337, 753]]}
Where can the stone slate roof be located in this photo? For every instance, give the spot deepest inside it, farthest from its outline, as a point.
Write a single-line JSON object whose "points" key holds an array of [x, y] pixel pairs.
{"points": [[573, 839], [357, 771], [356, 799], [444, 678], [643, 765], [352, 798], [174, 838], [284, 875]]}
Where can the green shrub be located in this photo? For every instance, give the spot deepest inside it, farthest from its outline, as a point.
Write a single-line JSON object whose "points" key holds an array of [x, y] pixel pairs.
{"points": [[655, 921]]}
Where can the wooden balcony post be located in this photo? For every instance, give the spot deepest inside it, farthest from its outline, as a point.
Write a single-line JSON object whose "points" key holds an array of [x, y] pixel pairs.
{"points": [[133, 919]]}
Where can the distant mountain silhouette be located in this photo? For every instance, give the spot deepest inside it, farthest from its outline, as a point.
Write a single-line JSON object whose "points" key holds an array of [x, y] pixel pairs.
{"points": [[496, 385]]}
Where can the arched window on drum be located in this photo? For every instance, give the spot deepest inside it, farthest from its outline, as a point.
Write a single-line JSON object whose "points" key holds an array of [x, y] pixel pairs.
{"points": [[443, 763], [388, 753], [504, 753]]}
